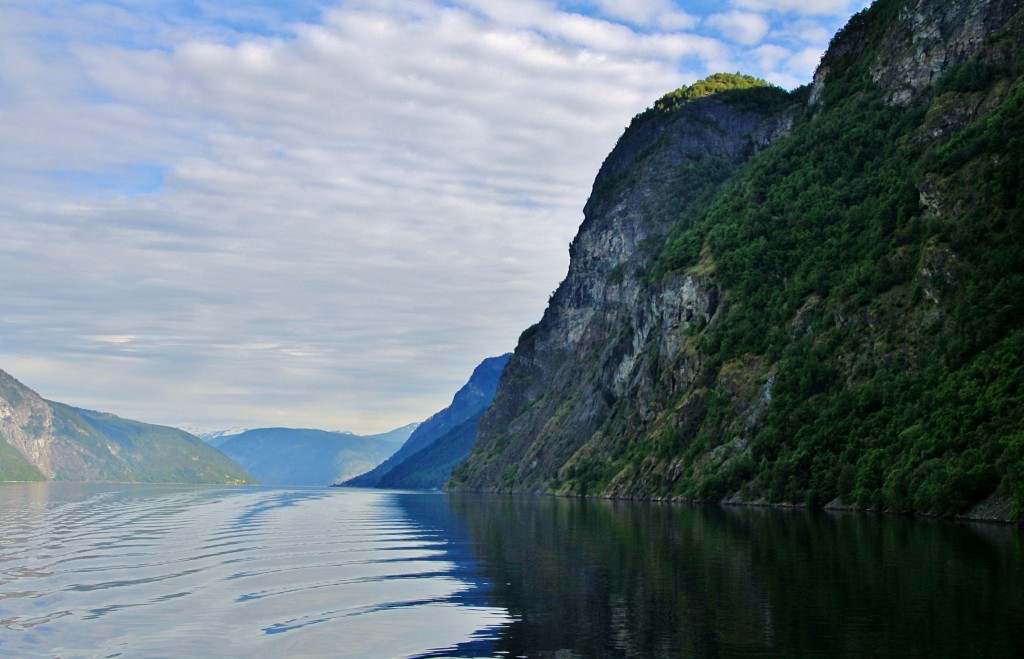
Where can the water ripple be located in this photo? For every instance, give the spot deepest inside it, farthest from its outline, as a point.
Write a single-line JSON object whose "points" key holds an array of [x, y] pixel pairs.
{"points": [[108, 570]]}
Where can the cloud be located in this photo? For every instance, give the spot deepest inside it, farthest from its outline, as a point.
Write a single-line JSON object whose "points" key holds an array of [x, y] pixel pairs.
{"points": [[382, 196], [842, 8], [659, 14], [802, 32], [785, 67], [288, 214], [742, 27]]}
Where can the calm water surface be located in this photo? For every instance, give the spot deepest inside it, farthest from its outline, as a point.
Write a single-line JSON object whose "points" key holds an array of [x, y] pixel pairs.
{"points": [[151, 571]]}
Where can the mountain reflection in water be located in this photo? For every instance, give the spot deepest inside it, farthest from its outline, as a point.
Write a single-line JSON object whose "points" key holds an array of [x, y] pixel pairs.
{"points": [[122, 570], [604, 578]]}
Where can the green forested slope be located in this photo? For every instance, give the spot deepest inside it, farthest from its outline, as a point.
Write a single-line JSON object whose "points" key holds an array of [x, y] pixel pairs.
{"points": [[904, 391], [866, 341], [147, 453]]}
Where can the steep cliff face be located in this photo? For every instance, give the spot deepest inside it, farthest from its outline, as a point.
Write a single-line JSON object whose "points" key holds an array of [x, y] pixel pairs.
{"points": [[43, 440], [783, 298], [606, 323], [928, 38], [24, 417]]}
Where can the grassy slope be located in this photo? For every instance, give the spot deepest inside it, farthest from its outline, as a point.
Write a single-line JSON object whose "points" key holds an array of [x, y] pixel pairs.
{"points": [[129, 450]]}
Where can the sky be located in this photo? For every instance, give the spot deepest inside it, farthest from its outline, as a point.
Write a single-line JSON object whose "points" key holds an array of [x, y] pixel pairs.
{"points": [[228, 213]]}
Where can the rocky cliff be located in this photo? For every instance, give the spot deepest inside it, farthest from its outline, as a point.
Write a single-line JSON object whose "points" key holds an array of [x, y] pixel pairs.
{"points": [[43, 440], [777, 297], [570, 370], [25, 419]]}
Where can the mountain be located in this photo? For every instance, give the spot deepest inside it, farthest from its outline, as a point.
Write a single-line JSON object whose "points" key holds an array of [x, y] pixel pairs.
{"points": [[43, 440], [811, 298], [213, 437], [291, 456], [441, 442], [430, 467]]}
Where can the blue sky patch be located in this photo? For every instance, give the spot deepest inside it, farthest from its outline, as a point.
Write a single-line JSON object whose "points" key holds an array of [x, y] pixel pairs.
{"points": [[129, 181]]}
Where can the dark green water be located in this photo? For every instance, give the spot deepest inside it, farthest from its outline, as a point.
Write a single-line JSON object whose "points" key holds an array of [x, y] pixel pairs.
{"points": [[172, 571], [598, 578]]}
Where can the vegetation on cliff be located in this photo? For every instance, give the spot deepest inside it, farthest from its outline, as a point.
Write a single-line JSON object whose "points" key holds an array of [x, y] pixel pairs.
{"points": [[743, 90], [868, 348], [895, 396], [14, 466]]}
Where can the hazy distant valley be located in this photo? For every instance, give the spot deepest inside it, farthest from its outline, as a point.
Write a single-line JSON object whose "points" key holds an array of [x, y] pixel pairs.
{"points": [[43, 440]]}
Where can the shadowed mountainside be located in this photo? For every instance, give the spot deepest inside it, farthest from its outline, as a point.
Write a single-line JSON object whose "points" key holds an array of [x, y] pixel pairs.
{"points": [[441, 442]]}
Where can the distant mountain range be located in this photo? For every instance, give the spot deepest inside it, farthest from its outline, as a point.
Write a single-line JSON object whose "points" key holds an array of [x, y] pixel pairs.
{"points": [[43, 440], [291, 456], [213, 437], [443, 441]]}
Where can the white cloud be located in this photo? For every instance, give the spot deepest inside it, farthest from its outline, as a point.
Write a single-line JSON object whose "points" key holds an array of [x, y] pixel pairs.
{"points": [[390, 194], [770, 56], [741, 27], [325, 222], [842, 8], [660, 14], [806, 60], [787, 68], [802, 32]]}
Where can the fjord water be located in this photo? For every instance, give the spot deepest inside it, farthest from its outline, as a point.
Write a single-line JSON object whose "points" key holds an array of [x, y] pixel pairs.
{"points": [[165, 571], [119, 570]]}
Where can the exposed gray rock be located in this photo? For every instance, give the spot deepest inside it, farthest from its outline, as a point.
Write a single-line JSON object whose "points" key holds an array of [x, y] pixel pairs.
{"points": [[607, 332], [929, 37], [26, 422], [71, 444]]}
